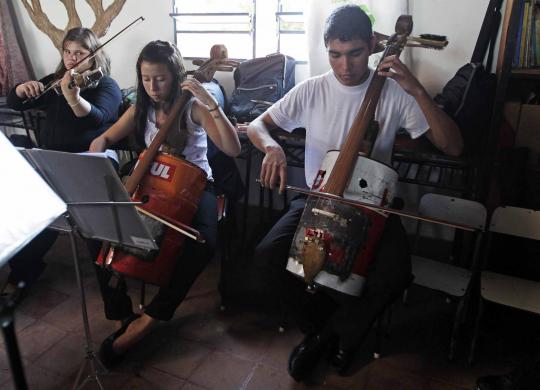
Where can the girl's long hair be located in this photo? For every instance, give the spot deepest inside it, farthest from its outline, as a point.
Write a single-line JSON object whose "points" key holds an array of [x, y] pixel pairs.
{"points": [[157, 52]]}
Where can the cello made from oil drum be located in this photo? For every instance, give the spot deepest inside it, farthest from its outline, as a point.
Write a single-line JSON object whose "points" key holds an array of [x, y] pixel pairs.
{"points": [[335, 242]]}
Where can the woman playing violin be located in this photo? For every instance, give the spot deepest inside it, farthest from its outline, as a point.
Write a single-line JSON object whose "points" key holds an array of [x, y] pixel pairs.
{"points": [[161, 78], [77, 116], [73, 119]]}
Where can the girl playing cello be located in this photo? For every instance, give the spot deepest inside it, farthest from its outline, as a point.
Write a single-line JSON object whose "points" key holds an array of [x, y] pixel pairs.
{"points": [[160, 78]]}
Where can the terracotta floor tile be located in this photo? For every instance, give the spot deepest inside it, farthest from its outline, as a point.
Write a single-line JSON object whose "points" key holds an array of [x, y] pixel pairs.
{"points": [[152, 379], [434, 384], [37, 338], [21, 322], [280, 347], [68, 315], [222, 371], [63, 358], [201, 304], [37, 378], [269, 378], [192, 386], [237, 336], [409, 362], [356, 380], [380, 378], [40, 301], [180, 357]]}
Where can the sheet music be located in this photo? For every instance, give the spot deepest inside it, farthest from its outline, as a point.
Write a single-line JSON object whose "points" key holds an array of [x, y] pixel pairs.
{"points": [[27, 203], [85, 178]]}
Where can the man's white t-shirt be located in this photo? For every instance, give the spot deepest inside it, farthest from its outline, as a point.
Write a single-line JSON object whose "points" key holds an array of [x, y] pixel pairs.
{"points": [[326, 109]]}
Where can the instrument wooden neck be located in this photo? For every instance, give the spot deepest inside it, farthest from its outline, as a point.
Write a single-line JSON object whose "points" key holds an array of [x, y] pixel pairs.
{"points": [[144, 164], [203, 74], [343, 168]]}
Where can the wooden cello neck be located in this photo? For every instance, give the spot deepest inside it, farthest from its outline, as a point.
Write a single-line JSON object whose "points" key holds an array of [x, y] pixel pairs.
{"points": [[339, 178]]}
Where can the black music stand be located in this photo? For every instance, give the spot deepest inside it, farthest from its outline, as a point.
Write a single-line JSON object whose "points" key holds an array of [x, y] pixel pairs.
{"points": [[7, 322], [98, 208]]}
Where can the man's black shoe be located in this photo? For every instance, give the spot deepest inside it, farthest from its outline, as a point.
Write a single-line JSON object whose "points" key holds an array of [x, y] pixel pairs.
{"points": [[341, 360], [306, 355], [496, 382]]}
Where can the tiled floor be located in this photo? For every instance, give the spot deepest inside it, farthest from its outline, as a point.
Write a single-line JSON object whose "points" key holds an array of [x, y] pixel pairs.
{"points": [[205, 348]]}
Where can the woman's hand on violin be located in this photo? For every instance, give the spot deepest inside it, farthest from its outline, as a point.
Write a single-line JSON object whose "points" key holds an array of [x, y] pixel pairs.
{"points": [[197, 89], [70, 93], [392, 67], [98, 145], [274, 167], [30, 89]]}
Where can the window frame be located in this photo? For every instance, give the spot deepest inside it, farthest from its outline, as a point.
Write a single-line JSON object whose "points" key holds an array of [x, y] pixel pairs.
{"points": [[287, 32], [252, 30]]}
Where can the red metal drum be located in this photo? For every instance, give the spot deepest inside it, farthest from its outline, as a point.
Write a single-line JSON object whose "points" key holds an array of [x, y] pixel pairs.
{"points": [[344, 238], [173, 188]]}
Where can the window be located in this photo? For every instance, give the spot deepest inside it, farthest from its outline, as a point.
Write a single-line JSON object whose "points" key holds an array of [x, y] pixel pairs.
{"points": [[290, 29], [248, 28]]}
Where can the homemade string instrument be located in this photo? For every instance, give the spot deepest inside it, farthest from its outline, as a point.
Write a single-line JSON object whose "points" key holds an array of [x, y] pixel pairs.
{"points": [[337, 236], [170, 188]]}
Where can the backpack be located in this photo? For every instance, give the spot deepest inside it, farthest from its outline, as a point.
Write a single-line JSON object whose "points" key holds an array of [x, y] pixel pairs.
{"points": [[468, 97], [259, 83]]}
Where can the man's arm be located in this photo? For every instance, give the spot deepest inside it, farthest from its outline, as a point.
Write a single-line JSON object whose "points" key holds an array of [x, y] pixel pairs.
{"points": [[443, 133], [274, 163]]}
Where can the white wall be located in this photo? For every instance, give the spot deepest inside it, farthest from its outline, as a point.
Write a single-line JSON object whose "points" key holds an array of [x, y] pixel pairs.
{"points": [[123, 50], [459, 20]]}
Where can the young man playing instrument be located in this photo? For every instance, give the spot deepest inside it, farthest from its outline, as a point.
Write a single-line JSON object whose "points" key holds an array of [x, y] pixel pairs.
{"points": [[326, 106]]}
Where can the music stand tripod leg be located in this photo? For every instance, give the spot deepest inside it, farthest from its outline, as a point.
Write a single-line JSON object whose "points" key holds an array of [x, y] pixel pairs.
{"points": [[96, 367], [7, 305]]}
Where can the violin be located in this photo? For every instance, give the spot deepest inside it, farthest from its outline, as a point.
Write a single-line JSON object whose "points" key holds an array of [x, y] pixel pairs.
{"points": [[81, 80]]}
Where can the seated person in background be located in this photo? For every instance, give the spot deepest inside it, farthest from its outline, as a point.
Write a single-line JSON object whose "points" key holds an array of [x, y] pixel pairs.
{"points": [[73, 120], [326, 106], [160, 79], [226, 175], [77, 116]]}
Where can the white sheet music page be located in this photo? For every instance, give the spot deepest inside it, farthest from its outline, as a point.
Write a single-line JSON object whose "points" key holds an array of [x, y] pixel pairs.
{"points": [[27, 204]]}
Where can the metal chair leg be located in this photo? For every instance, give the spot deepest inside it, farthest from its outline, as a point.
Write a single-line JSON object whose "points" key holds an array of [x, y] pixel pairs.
{"points": [[405, 296], [455, 329], [474, 340], [378, 337]]}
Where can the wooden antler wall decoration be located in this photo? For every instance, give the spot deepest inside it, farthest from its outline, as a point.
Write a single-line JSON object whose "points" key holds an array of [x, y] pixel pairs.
{"points": [[104, 18]]}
